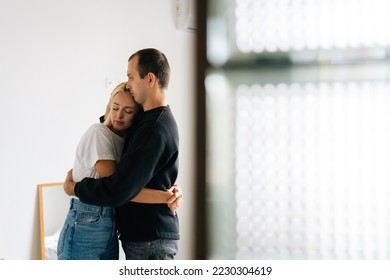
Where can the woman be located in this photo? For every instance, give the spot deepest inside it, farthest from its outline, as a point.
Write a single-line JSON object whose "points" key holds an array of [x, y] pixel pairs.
{"points": [[89, 231]]}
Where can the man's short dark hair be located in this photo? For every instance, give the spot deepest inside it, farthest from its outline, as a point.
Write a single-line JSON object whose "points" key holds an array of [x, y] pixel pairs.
{"points": [[153, 61]]}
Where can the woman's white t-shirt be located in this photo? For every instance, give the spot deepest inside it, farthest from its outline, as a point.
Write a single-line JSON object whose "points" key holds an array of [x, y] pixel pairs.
{"points": [[97, 143]]}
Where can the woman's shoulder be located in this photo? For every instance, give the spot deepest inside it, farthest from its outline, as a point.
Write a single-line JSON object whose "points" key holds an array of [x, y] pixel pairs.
{"points": [[102, 130], [98, 128]]}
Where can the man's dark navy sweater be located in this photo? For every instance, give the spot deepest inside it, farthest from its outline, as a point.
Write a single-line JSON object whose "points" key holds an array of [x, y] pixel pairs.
{"points": [[149, 160]]}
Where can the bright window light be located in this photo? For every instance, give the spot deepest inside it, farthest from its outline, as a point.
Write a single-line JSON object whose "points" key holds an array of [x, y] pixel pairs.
{"points": [[312, 164], [286, 25]]}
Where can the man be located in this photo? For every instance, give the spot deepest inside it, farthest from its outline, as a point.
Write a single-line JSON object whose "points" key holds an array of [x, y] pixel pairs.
{"points": [[150, 159]]}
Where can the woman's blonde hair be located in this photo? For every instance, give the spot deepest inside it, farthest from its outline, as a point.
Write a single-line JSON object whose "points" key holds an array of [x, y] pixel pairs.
{"points": [[119, 88]]}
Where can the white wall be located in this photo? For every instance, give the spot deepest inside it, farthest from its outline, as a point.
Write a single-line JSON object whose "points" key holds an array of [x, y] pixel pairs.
{"points": [[54, 61]]}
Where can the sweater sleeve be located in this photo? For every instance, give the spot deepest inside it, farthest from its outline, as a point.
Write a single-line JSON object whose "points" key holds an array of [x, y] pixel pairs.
{"points": [[135, 169]]}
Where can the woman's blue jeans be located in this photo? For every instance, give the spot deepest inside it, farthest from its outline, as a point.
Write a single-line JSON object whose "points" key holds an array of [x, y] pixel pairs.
{"points": [[89, 233]]}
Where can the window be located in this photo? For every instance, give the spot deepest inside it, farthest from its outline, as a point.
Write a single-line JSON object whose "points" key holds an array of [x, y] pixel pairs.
{"points": [[298, 155]]}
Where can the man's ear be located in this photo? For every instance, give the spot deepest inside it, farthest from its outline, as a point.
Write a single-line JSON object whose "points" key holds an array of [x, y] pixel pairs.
{"points": [[152, 78]]}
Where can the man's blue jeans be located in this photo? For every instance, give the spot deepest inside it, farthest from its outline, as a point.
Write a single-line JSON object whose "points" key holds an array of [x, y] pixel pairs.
{"points": [[160, 249], [89, 233]]}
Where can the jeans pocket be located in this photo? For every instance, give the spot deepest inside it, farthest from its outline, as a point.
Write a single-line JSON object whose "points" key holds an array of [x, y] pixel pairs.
{"points": [[61, 239], [159, 249], [167, 249], [86, 218]]}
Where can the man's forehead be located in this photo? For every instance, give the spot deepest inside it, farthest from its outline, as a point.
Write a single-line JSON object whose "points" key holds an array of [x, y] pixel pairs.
{"points": [[132, 64], [134, 59], [131, 69]]}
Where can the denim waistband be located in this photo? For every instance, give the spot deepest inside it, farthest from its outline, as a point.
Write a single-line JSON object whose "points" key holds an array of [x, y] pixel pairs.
{"points": [[76, 204]]}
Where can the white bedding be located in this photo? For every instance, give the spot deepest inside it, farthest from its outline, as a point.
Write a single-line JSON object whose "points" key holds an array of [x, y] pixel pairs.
{"points": [[51, 246]]}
